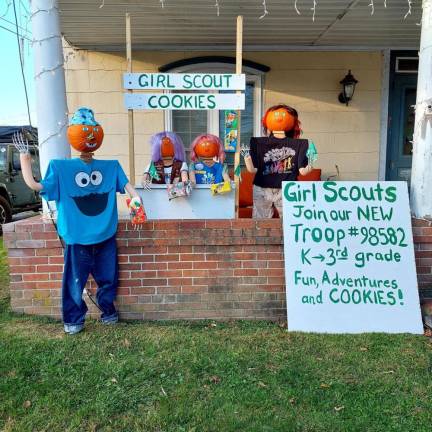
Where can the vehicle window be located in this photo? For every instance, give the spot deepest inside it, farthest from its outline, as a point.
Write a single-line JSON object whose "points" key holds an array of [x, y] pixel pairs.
{"points": [[3, 158], [35, 164], [16, 164]]}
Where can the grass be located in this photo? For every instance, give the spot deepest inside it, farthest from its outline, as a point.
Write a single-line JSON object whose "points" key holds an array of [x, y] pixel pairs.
{"points": [[239, 376]]}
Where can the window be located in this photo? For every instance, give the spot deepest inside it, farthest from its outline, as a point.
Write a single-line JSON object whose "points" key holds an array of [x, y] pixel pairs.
{"points": [[407, 64], [3, 158], [189, 124]]}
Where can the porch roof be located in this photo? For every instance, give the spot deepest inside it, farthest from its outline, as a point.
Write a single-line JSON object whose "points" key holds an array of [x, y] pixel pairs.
{"points": [[194, 24]]}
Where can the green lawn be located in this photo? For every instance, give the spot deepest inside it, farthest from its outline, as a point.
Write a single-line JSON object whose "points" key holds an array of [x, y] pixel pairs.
{"points": [[242, 376]]}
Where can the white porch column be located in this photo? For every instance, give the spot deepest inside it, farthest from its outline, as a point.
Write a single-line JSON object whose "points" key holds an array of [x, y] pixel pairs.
{"points": [[421, 175], [51, 108]]}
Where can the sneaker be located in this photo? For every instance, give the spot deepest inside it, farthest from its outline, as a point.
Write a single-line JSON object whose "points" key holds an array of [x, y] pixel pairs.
{"points": [[110, 320], [73, 328]]}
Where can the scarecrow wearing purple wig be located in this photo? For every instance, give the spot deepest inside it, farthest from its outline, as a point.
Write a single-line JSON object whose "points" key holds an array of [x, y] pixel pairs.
{"points": [[168, 164]]}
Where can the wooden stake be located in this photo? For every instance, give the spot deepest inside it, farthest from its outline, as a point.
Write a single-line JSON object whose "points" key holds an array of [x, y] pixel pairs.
{"points": [[239, 61], [130, 112]]}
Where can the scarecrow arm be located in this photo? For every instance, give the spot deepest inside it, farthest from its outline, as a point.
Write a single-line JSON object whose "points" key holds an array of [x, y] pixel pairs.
{"points": [[131, 190], [192, 177], [245, 152], [249, 165], [184, 176], [25, 159], [306, 170]]}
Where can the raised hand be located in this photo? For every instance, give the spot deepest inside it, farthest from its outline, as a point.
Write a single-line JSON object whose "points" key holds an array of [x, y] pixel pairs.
{"points": [[146, 182], [245, 151], [20, 143]]}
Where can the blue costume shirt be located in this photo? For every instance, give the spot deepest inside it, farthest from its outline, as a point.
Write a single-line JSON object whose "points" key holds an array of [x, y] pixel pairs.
{"points": [[85, 194], [208, 175]]}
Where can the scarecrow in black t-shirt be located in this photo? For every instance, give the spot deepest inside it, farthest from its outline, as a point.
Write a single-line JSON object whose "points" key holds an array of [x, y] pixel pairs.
{"points": [[277, 157]]}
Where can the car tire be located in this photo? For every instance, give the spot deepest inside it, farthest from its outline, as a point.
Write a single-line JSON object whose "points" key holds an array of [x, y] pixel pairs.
{"points": [[5, 211]]}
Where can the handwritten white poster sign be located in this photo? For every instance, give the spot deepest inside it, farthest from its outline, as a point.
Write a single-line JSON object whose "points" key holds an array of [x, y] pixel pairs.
{"points": [[349, 258]]}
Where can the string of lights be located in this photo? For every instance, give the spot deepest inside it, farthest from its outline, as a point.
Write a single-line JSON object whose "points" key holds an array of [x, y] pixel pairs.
{"points": [[58, 133], [51, 70], [48, 10], [39, 41], [265, 10], [313, 9], [409, 9]]}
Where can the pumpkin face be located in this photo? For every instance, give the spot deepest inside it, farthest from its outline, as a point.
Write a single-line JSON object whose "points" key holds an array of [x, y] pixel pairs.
{"points": [[85, 138], [167, 148], [206, 149], [279, 120]]}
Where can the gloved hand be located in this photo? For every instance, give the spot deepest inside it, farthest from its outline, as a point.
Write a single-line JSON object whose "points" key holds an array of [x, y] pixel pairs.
{"points": [[136, 209]]}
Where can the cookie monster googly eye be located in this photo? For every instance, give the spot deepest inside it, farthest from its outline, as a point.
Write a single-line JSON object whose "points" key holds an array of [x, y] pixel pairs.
{"points": [[96, 178], [82, 179]]}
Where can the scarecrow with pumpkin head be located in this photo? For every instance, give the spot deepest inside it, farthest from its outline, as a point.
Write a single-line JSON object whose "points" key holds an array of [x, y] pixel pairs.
{"points": [[168, 165], [84, 190], [277, 157], [207, 167]]}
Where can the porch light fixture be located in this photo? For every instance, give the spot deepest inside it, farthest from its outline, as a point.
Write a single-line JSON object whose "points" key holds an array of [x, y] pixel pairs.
{"points": [[348, 88]]}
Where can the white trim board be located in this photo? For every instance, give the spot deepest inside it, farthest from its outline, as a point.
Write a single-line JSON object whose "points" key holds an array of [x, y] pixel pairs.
{"points": [[246, 48], [385, 84]]}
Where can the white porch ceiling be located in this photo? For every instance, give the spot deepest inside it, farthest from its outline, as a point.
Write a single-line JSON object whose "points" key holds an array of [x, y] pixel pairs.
{"points": [[194, 24]]}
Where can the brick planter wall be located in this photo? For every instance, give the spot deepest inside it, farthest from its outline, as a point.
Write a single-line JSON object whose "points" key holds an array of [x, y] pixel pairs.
{"points": [[422, 231], [215, 269]]}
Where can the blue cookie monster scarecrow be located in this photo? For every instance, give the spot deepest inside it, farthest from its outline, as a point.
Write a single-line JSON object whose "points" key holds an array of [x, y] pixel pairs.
{"points": [[84, 190]]}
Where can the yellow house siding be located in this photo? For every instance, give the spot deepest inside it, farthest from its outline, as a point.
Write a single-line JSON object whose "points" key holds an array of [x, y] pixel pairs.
{"points": [[309, 81]]}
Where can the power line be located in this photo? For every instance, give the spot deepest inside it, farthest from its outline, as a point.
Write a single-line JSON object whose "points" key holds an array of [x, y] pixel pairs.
{"points": [[10, 22], [21, 63], [15, 33]]}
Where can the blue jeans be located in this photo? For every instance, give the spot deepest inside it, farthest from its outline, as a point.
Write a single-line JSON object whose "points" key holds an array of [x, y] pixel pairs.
{"points": [[99, 260]]}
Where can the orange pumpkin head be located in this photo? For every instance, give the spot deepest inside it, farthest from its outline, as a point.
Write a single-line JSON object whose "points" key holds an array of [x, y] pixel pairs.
{"points": [[279, 120], [84, 133], [167, 148], [282, 118], [206, 149], [207, 146], [85, 138]]}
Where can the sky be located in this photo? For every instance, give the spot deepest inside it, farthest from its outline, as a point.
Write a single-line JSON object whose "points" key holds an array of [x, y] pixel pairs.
{"points": [[13, 108]]}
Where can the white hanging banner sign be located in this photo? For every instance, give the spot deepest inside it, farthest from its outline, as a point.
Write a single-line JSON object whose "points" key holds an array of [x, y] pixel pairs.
{"points": [[184, 81], [184, 101], [349, 258]]}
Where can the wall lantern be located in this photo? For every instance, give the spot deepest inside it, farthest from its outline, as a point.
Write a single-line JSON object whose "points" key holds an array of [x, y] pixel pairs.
{"points": [[348, 88]]}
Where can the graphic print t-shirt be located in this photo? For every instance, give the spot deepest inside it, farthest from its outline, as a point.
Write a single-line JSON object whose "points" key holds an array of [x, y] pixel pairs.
{"points": [[277, 159], [85, 194], [207, 175]]}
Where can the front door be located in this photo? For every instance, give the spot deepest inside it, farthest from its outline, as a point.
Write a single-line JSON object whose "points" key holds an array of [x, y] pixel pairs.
{"points": [[401, 126]]}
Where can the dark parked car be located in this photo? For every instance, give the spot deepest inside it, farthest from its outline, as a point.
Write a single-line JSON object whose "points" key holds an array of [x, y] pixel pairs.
{"points": [[15, 196]]}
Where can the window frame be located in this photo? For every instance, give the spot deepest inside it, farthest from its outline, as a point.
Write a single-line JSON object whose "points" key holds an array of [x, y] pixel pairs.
{"points": [[254, 76]]}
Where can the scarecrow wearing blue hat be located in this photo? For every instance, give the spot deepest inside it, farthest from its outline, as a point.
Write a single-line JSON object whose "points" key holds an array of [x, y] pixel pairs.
{"points": [[84, 190]]}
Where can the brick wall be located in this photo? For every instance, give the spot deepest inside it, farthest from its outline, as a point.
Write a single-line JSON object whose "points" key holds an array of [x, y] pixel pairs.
{"points": [[212, 269], [422, 231]]}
